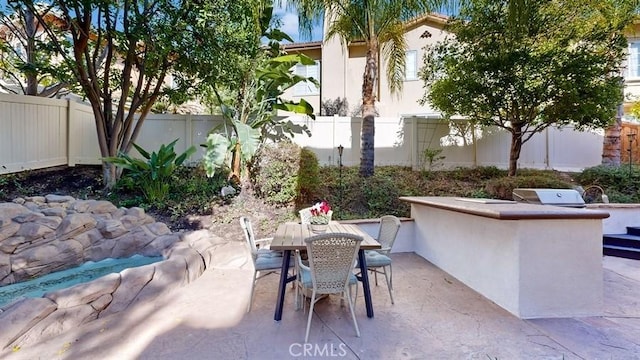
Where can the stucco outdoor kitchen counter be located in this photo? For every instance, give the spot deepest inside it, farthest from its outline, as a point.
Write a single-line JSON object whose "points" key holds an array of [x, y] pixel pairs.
{"points": [[536, 261], [505, 209]]}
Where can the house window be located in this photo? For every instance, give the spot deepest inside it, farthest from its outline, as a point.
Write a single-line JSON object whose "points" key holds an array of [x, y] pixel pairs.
{"points": [[633, 62], [307, 88], [411, 65]]}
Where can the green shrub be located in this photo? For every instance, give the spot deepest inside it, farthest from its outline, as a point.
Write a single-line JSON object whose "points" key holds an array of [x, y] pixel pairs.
{"points": [[190, 191], [621, 184], [154, 175], [372, 197], [476, 173], [308, 187], [502, 188], [381, 195], [274, 173]]}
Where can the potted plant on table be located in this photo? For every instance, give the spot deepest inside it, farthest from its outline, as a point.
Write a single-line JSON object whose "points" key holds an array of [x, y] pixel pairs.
{"points": [[320, 216]]}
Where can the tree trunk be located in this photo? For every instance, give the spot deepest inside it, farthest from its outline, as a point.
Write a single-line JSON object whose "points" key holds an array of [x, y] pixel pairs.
{"points": [[367, 132], [516, 147], [611, 144], [109, 177], [236, 164], [30, 50]]}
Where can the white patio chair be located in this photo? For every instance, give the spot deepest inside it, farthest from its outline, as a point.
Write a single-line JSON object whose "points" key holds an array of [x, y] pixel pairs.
{"points": [[330, 271], [265, 261], [305, 215], [379, 260]]}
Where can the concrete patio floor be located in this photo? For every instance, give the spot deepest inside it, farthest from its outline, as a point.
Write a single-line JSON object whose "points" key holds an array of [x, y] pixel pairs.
{"points": [[434, 317]]}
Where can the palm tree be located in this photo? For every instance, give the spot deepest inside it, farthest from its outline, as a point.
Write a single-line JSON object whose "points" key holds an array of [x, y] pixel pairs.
{"points": [[380, 25]]}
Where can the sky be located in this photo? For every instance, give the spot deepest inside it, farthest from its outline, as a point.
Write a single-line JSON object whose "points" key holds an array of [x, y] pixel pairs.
{"points": [[290, 25]]}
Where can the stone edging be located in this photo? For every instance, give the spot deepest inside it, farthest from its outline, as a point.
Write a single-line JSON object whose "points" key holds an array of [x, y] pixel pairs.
{"points": [[29, 320]]}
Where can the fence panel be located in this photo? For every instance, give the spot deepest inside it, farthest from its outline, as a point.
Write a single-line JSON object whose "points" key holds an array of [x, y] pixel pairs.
{"points": [[393, 144], [83, 148], [571, 150], [190, 130], [33, 133], [554, 148]]}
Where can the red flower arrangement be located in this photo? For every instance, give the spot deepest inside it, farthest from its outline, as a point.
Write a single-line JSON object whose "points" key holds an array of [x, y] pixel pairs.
{"points": [[321, 213]]}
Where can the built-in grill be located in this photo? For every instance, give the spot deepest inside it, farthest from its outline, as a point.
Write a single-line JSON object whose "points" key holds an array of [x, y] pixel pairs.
{"points": [[555, 197]]}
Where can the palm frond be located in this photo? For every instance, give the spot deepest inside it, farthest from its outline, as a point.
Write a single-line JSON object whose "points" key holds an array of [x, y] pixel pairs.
{"points": [[394, 47]]}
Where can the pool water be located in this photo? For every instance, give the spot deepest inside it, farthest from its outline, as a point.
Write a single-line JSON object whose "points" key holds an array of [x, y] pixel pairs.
{"points": [[63, 279]]}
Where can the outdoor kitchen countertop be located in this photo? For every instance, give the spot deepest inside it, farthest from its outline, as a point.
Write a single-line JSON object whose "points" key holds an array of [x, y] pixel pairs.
{"points": [[505, 209]]}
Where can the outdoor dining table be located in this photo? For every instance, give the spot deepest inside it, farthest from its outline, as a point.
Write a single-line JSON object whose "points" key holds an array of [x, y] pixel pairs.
{"points": [[290, 236]]}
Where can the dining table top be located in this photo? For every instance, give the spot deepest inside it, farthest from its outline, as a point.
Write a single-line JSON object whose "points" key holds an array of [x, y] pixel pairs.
{"points": [[291, 235]]}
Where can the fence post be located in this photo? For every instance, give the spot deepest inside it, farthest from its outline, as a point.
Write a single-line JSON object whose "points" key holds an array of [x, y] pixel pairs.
{"points": [[414, 143], [72, 143], [547, 160], [188, 131]]}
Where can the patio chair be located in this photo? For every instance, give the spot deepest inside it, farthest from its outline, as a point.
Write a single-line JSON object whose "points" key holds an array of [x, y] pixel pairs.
{"points": [[330, 270], [379, 260], [265, 261], [305, 215]]}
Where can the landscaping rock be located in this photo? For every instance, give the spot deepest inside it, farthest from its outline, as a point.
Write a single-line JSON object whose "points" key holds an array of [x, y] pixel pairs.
{"points": [[101, 207], [52, 222], [10, 210], [52, 233], [88, 238], [168, 274], [8, 230], [84, 293], [54, 211], [52, 198], [130, 243], [33, 230], [203, 242], [102, 302], [5, 265], [159, 228], [22, 316], [74, 224], [111, 229], [37, 200], [27, 217], [100, 250], [159, 244], [56, 323], [132, 281]]}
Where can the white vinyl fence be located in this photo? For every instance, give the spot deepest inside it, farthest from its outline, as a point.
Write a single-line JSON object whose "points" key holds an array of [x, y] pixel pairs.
{"points": [[37, 133]]}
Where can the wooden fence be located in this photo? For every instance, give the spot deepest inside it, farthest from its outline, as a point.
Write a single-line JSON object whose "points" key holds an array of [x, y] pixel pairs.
{"points": [[629, 142], [37, 133]]}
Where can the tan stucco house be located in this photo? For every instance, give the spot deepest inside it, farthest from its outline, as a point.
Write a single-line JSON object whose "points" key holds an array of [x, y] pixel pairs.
{"points": [[339, 71], [631, 72]]}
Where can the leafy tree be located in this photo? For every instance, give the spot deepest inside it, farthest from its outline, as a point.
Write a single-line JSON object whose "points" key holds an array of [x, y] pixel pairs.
{"points": [[121, 52], [27, 62], [256, 95], [560, 65]]}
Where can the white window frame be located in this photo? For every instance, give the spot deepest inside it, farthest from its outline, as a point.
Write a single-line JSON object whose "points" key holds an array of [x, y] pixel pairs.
{"points": [[633, 60], [411, 70], [307, 88]]}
